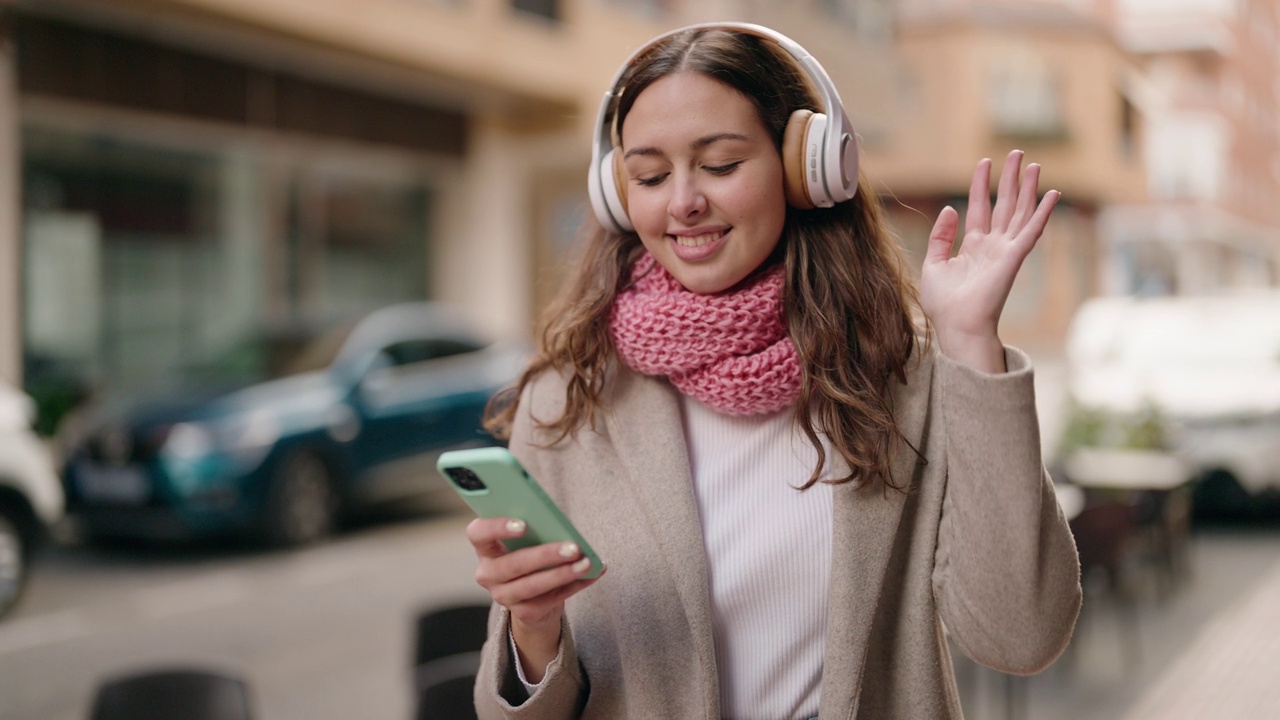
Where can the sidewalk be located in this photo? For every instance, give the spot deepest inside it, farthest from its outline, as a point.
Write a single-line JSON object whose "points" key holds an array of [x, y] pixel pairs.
{"points": [[1231, 671], [1214, 643]]}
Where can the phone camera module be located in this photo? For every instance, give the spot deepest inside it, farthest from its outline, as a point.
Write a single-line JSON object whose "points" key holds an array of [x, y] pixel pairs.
{"points": [[465, 479]]}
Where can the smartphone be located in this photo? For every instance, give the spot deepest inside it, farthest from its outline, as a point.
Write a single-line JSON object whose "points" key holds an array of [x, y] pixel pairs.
{"points": [[494, 484]]}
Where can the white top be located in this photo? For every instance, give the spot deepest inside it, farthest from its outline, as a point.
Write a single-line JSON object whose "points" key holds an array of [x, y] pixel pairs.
{"points": [[768, 551]]}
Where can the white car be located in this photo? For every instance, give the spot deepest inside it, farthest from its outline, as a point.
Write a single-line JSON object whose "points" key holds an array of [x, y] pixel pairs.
{"points": [[1209, 365], [31, 498]]}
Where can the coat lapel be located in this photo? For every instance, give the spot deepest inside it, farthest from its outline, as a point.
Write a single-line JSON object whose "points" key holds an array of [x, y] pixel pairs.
{"points": [[646, 430], [865, 528]]}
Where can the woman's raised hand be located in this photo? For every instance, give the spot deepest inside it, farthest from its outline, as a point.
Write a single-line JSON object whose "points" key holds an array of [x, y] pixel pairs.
{"points": [[532, 583], [964, 295]]}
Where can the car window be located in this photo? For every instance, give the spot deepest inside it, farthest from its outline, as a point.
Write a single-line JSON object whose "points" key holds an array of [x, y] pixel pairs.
{"points": [[410, 352]]}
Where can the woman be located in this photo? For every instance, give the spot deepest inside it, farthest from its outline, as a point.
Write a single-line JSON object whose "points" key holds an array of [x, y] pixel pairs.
{"points": [[797, 496]]}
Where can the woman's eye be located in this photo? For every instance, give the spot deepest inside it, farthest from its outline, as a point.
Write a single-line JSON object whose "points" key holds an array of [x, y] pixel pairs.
{"points": [[722, 169], [651, 180]]}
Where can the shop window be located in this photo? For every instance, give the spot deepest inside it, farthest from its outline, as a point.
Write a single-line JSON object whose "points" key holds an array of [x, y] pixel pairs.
{"points": [[143, 263], [126, 272], [371, 249]]}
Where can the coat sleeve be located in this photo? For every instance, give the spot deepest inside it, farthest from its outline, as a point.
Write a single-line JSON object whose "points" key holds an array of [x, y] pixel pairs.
{"points": [[499, 694], [1006, 574]]}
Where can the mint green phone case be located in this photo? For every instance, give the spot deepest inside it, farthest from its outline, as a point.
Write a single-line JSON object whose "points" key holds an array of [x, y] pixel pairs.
{"points": [[509, 492]]}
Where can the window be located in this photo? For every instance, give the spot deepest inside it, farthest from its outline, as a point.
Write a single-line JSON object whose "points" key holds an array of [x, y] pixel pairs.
{"points": [[409, 352], [871, 18], [549, 9], [147, 260], [1023, 97], [1128, 128], [643, 8]]}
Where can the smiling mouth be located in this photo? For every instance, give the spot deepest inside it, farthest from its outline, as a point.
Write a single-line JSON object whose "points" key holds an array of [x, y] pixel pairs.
{"points": [[694, 241]]}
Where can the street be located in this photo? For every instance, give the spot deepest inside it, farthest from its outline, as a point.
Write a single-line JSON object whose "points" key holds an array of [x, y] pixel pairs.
{"points": [[323, 632], [326, 633], [1169, 650]]}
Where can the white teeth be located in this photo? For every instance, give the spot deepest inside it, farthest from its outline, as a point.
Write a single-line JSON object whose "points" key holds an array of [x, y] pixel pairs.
{"points": [[697, 240]]}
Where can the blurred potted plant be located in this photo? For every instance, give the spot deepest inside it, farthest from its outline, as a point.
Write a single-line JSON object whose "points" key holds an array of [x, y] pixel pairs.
{"points": [[1102, 449]]}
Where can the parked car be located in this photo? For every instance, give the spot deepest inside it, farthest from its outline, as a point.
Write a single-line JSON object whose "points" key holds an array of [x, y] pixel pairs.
{"points": [[31, 497], [290, 431], [1208, 366]]}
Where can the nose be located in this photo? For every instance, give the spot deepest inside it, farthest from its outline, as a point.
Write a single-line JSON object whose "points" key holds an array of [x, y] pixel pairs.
{"points": [[687, 199]]}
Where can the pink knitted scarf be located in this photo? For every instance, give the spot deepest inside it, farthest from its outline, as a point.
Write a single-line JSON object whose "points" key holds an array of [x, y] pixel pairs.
{"points": [[729, 351]]}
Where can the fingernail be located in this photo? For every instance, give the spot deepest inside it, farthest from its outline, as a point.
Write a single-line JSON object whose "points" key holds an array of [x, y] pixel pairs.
{"points": [[582, 565], [515, 527], [569, 550]]}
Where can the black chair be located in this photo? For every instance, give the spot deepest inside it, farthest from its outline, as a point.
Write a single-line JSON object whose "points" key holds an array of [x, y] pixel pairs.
{"points": [[173, 694], [446, 659], [1104, 531], [1162, 522]]}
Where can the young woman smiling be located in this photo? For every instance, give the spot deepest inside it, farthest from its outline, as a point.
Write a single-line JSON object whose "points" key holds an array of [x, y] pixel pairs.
{"points": [[803, 498]]}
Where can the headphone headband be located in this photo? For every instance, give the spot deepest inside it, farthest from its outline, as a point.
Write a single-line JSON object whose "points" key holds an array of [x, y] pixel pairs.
{"points": [[832, 166]]}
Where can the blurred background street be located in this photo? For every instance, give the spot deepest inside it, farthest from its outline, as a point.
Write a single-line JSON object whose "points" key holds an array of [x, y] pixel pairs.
{"points": [[261, 261], [327, 633]]}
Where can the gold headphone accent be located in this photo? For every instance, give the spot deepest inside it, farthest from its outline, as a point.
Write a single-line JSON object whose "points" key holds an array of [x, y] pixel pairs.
{"points": [[797, 190]]}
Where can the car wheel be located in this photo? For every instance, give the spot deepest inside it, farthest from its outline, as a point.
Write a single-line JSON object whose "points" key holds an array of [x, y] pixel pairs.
{"points": [[302, 504], [13, 561]]}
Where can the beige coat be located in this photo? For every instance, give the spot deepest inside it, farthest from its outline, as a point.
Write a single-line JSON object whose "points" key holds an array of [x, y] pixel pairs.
{"points": [[979, 545]]}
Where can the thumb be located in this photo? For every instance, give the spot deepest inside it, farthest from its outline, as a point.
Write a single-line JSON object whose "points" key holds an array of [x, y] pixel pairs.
{"points": [[943, 236]]}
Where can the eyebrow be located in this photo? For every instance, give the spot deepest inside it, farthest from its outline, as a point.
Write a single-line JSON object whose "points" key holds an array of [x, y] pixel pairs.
{"points": [[695, 145]]}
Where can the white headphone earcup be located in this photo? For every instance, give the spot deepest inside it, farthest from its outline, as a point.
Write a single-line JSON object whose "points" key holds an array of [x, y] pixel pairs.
{"points": [[842, 164], [607, 202], [595, 193]]}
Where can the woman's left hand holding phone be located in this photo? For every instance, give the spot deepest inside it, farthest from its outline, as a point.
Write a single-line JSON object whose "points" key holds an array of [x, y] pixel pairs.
{"points": [[531, 583]]}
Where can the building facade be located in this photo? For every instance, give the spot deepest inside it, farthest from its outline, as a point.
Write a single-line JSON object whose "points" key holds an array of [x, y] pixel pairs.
{"points": [[175, 174], [1049, 77], [1211, 222]]}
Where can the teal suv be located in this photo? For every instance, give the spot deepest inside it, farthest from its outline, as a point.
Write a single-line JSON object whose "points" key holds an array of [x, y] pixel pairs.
{"points": [[300, 430]]}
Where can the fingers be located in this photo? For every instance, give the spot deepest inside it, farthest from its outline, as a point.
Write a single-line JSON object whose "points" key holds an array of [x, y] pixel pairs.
{"points": [[528, 608], [977, 217], [1007, 193], [512, 588], [1027, 195], [943, 236], [1028, 236], [486, 535], [528, 581]]}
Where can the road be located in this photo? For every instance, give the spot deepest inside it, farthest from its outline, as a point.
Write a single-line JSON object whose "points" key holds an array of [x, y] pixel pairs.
{"points": [[319, 633], [325, 633]]}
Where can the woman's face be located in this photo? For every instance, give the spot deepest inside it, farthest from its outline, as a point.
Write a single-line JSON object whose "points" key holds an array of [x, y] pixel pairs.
{"points": [[704, 181]]}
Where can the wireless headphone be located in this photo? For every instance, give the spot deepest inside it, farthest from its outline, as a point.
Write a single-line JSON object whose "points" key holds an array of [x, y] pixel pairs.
{"points": [[819, 150]]}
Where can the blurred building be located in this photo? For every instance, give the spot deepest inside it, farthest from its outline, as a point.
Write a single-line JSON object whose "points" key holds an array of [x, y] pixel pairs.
{"points": [[1049, 77], [176, 173], [1212, 103]]}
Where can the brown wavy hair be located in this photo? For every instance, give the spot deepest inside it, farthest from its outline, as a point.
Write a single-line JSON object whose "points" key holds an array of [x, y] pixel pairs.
{"points": [[848, 300]]}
